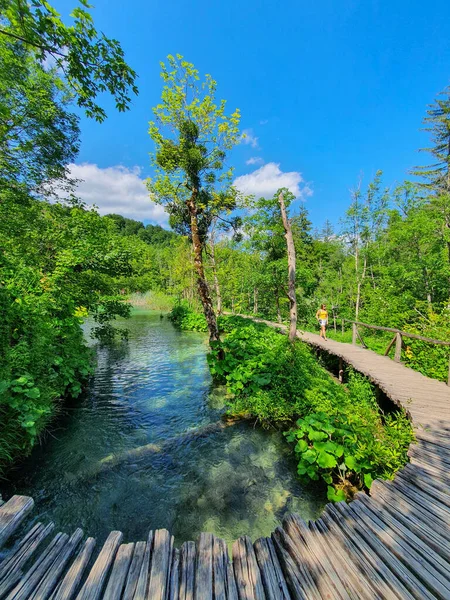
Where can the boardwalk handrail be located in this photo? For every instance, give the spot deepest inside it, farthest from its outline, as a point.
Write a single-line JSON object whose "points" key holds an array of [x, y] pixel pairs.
{"points": [[399, 334]]}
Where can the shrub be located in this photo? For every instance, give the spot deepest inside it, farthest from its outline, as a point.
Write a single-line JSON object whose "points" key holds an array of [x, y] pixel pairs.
{"points": [[339, 432]]}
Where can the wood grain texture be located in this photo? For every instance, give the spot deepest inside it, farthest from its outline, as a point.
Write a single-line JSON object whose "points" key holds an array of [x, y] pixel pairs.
{"points": [[12, 513]]}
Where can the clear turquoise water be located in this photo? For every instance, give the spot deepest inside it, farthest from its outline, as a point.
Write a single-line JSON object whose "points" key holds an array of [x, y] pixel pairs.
{"points": [[143, 449]]}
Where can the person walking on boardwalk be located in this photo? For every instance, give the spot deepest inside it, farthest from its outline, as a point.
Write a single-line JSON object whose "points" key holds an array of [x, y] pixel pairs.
{"points": [[322, 317]]}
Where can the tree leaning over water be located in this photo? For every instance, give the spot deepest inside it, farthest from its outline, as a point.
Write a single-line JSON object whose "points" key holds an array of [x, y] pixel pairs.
{"points": [[192, 135]]}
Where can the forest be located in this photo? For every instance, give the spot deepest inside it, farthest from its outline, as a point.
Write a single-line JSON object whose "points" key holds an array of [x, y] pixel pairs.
{"points": [[386, 262]]}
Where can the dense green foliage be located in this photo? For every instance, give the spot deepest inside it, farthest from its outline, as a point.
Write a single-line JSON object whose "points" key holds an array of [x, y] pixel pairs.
{"points": [[61, 261], [340, 434]]}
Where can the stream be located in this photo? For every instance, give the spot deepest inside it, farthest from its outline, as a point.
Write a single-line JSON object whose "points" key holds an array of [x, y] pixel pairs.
{"points": [[144, 448]]}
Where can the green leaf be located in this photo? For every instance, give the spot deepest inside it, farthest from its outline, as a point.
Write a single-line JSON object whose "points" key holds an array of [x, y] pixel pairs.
{"points": [[350, 462], [301, 446], [301, 469], [368, 480], [33, 393], [310, 455], [317, 436], [326, 460], [335, 495]]}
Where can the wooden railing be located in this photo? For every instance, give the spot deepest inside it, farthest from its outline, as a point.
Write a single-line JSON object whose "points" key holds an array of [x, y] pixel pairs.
{"points": [[397, 339]]}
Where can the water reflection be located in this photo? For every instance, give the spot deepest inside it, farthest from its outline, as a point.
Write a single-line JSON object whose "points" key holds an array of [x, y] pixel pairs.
{"points": [[144, 449]]}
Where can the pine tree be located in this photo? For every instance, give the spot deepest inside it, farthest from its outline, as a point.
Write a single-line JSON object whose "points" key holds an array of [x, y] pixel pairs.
{"points": [[437, 122]]}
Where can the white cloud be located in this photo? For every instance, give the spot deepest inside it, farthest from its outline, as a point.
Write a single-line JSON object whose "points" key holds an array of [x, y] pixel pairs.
{"points": [[266, 180], [264, 122], [254, 160], [116, 190], [249, 138]]}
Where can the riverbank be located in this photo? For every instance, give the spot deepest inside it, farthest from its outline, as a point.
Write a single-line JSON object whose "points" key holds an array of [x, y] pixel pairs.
{"points": [[145, 447], [338, 433]]}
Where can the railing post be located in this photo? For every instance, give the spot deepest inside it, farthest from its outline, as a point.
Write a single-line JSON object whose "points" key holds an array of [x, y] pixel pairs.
{"points": [[343, 327], [448, 378], [354, 333], [398, 347]]}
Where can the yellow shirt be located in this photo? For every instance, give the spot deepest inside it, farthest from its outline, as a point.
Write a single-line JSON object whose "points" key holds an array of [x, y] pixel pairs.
{"points": [[322, 314]]}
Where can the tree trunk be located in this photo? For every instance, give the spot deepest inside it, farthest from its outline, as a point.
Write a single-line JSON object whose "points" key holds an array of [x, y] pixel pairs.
{"points": [[291, 269], [202, 285], [255, 300], [279, 319], [358, 294], [216, 279]]}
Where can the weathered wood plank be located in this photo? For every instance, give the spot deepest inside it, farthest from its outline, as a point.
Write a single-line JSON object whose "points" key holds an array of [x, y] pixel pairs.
{"points": [[48, 583], [71, 582], [119, 572], [423, 571], [407, 533], [416, 520], [30, 580], [326, 580], [161, 563], [300, 556], [385, 554], [94, 584], [134, 570], [144, 574], [273, 580], [204, 567], [174, 583], [248, 576], [292, 573], [368, 563], [11, 567], [187, 571], [358, 588], [12, 513]]}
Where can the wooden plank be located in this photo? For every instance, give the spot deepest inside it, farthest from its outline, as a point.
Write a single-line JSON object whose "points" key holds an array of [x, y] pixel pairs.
{"points": [[407, 533], [12, 513], [416, 518], [30, 580], [161, 562], [432, 506], [232, 592], [142, 584], [385, 554], [220, 561], [290, 570], [119, 572], [71, 582], [174, 583], [358, 588], [409, 479], [324, 575], [223, 574], [204, 567], [48, 583], [187, 571], [94, 584], [369, 565], [134, 570], [275, 586], [248, 576], [11, 567], [417, 571]]}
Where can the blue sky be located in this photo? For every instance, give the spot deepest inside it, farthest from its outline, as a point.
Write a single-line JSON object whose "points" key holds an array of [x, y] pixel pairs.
{"points": [[329, 89]]}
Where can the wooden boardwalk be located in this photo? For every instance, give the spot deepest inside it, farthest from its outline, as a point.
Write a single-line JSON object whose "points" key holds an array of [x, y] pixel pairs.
{"points": [[394, 544]]}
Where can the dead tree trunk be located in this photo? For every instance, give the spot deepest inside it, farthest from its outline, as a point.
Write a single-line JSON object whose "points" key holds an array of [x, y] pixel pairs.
{"points": [[291, 269], [202, 284]]}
